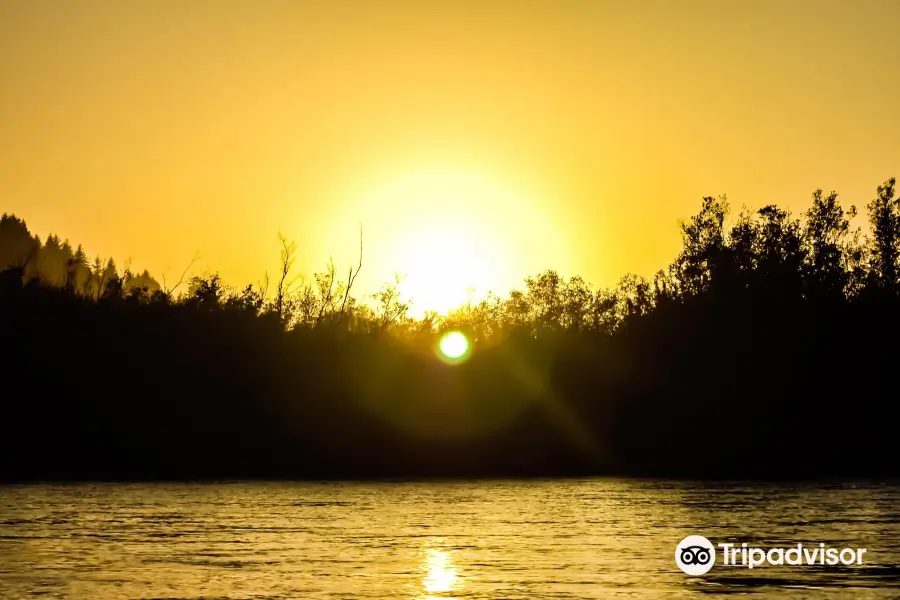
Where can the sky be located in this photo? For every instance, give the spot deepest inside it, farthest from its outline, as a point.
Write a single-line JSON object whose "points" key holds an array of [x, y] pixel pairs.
{"points": [[475, 143]]}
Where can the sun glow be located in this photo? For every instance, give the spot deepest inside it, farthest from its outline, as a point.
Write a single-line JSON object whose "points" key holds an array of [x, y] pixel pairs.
{"points": [[446, 268], [449, 249], [450, 235]]}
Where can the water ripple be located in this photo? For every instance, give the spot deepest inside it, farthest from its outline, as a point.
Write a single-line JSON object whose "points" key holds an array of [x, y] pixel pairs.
{"points": [[565, 540]]}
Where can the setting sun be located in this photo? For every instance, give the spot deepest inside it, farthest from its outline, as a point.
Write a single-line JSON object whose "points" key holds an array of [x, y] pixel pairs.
{"points": [[448, 230], [446, 268], [445, 256]]}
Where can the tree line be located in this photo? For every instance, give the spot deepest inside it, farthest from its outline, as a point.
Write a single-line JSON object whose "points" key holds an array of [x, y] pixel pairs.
{"points": [[766, 348]]}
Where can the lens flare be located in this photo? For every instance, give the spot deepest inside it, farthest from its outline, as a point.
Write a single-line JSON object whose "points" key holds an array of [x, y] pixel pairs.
{"points": [[453, 347]]}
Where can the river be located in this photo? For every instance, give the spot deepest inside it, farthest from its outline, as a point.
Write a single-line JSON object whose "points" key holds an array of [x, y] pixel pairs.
{"points": [[491, 540]]}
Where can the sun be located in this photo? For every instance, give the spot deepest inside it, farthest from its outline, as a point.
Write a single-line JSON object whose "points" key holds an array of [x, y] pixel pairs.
{"points": [[445, 268], [454, 346], [451, 246], [451, 234]]}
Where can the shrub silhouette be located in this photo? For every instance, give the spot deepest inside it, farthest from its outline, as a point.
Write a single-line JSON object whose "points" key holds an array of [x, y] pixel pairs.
{"points": [[766, 349]]}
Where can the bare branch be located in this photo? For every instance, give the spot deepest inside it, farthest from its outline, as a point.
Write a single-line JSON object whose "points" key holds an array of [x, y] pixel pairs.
{"points": [[327, 298], [351, 277], [288, 249], [184, 273], [264, 284]]}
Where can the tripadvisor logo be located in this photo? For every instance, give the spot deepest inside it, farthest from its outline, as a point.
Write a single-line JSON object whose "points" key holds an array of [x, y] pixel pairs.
{"points": [[695, 555]]}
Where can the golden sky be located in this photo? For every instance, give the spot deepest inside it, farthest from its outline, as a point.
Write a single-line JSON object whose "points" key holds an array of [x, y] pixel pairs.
{"points": [[477, 142]]}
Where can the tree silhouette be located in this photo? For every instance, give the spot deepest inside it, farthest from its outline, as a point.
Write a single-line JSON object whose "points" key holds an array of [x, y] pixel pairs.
{"points": [[763, 338], [884, 216]]}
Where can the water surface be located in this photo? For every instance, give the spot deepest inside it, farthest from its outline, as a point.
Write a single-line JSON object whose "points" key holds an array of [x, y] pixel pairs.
{"points": [[598, 538]]}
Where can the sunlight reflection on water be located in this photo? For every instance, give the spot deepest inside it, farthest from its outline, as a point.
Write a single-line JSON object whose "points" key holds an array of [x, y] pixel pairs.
{"points": [[440, 576], [565, 540]]}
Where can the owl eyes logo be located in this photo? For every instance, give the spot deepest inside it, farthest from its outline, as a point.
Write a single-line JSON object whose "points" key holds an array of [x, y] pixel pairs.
{"points": [[695, 555]]}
